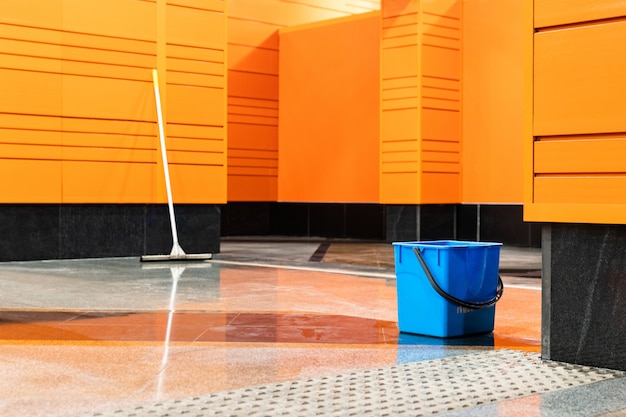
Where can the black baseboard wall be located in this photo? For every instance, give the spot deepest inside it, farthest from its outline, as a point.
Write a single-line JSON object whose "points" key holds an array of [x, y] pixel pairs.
{"points": [[389, 223], [67, 231]]}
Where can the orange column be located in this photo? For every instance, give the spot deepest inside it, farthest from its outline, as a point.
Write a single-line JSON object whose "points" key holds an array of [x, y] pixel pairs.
{"points": [[421, 102]]}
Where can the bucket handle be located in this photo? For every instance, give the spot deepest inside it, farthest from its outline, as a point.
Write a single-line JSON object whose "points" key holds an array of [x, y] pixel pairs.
{"points": [[467, 304]]}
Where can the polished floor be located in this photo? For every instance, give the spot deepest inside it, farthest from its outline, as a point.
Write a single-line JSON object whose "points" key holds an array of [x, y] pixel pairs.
{"points": [[119, 337]]}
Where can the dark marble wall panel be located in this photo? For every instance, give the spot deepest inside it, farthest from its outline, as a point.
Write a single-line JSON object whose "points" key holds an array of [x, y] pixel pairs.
{"points": [[327, 220], [89, 230], [335, 220], [29, 232], [466, 222], [365, 221], [407, 223], [65, 231], [437, 221], [289, 219], [252, 219], [505, 223], [402, 223], [198, 228], [584, 297]]}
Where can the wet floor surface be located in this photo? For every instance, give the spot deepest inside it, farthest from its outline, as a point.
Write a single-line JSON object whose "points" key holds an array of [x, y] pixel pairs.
{"points": [[80, 337]]}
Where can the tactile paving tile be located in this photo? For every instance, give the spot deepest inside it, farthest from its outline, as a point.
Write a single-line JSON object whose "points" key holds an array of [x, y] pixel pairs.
{"points": [[415, 389]]}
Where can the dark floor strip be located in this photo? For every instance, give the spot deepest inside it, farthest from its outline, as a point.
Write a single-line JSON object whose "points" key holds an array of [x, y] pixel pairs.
{"points": [[318, 255]]}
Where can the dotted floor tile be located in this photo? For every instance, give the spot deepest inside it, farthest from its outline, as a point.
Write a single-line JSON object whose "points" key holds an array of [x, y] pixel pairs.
{"points": [[416, 389]]}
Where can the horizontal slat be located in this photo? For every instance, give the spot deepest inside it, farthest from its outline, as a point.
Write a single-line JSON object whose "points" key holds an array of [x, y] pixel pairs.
{"points": [[27, 151], [441, 83], [105, 71], [399, 42], [30, 137], [98, 140], [252, 111], [409, 166], [441, 42], [195, 131], [257, 86], [441, 93], [234, 162], [580, 189], [451, 22], [253, 154], [397, 93], [441, 146], [82, 153], [251, 102], [580, 156], [399, 31], [196, 145], [245, 170], [399, 146], [400, 82], [399, 156], [443, 104], [31, 64], [211, 5], [428, 166], [403, 103], [438, 156], [146, 128], [196, 80], [559, 12], [196, 158], [196, 54], [195, 66], [579, 84]]}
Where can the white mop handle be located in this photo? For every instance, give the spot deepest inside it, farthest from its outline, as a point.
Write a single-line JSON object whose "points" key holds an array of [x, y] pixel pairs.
{"points": [[166, 171]]}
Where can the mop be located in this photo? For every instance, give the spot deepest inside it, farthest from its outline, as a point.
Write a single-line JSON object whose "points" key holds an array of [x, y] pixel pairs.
{"points": [[177, 253]]}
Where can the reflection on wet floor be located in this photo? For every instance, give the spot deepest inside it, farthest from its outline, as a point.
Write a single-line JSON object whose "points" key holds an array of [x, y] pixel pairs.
{"points": [[222, 327], [92, 334]]}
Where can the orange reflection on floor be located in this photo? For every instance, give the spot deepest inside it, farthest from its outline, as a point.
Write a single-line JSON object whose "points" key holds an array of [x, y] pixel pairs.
{"points": [[518, 320], [196, 327], [518, 326]]}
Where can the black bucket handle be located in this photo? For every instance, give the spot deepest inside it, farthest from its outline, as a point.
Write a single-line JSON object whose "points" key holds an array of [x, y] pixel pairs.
{"points": [[467, 304]]}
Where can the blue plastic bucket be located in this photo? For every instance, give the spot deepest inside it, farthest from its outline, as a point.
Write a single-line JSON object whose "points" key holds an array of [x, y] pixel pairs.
{"points": [[447, 288]]}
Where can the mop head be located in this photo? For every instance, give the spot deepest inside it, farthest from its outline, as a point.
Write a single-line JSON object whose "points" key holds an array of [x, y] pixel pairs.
{"points": [[179, 257], [177, 254]]}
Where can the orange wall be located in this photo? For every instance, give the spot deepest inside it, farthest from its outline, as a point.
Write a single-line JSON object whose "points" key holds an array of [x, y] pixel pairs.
{"points": [[577, 169], [329, 108], [420, 102], [493, 101], [77, 112], [253, 86]]}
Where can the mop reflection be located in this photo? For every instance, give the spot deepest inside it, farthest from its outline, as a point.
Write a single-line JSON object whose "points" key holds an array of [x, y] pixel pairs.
{"points": [[176, 271]]}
